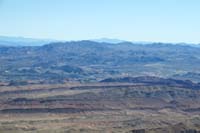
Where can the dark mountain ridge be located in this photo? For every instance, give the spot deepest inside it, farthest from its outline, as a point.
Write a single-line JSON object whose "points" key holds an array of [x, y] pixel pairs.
{"points": [[148, 80]]}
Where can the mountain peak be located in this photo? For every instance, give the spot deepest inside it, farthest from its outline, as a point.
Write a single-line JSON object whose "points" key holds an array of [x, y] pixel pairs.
{"points": [[108, 40]]}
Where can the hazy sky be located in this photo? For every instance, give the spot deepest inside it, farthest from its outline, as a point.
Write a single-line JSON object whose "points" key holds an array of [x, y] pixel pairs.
{"points": [[137, 20]]}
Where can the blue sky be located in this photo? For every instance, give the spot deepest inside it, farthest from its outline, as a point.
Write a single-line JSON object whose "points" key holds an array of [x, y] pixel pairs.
{"points": [[134, 20]]}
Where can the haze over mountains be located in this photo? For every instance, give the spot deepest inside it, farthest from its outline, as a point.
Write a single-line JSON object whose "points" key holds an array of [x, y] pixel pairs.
{"points": [[99, 66], [24, 41], [21, 41]]}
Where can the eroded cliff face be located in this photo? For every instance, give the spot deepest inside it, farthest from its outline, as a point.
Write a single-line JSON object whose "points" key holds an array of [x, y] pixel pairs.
{"points": [[176, 128], [103, 107]]}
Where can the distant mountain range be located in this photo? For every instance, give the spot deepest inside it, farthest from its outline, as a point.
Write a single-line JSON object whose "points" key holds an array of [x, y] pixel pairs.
{"points": [[94, 61], [21, 41]]}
